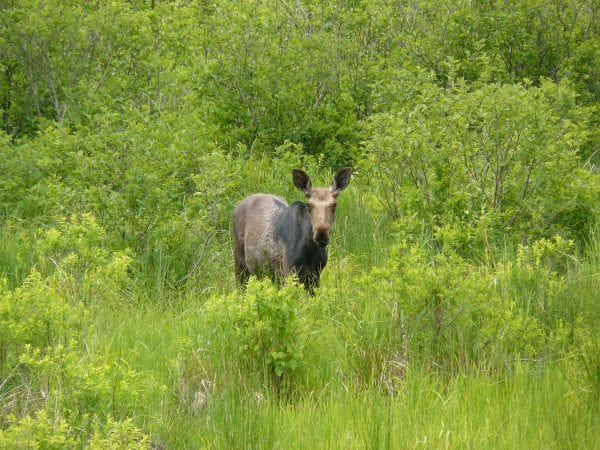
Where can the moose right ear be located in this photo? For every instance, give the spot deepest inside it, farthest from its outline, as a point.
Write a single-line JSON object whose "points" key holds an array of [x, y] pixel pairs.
{"points": [[341, 180], [301, 181]]}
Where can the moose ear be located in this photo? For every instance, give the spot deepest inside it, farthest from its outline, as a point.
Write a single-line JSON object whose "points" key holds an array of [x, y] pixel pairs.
{"points": [[341, 180], [301, 181]]}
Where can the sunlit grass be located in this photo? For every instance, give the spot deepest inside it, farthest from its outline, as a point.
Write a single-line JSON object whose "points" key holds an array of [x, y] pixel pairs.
{"points": [[524, 407], [201, 405], [354, 390]]}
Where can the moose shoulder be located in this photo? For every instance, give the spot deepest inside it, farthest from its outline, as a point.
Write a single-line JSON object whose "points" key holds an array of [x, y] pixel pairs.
{"points": [[275, 239]]}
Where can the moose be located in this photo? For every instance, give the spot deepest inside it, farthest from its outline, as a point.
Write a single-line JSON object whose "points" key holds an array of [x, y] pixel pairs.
{"points": [[275, 239]]}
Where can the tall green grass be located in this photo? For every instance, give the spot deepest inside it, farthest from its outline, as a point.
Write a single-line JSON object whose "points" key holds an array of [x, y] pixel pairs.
{"points": [[209, 400], [523, 407], [363, 382]]}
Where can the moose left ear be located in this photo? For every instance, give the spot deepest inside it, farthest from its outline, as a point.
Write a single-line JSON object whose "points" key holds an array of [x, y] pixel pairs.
{"points": [[341, 180]]}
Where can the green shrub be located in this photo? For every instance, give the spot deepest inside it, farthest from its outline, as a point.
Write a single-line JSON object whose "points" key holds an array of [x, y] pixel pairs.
{"points": [[78, 255], [37, 432], [43, 431], [486, 162], [35, 315], [442, 308], [261, 328], [45, 362], [41, 348]]}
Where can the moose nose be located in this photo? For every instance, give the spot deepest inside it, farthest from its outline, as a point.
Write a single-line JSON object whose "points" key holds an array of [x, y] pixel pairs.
{"points": [[321, 238]]}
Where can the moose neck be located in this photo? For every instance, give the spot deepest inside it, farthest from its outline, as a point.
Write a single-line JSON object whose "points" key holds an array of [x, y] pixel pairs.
{"points": [[294, 228], [305, 231]]}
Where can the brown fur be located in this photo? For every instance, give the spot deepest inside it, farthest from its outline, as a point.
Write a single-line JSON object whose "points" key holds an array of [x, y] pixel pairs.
{"points": [[321, 203], [255, 249], [275, 239]]}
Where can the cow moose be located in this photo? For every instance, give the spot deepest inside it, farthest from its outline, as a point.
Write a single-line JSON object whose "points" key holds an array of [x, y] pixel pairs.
{"points": [[275, 239]]}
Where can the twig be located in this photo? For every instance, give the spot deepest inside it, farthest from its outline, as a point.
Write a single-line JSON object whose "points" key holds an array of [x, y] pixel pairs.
{"points": [[199, 260]]}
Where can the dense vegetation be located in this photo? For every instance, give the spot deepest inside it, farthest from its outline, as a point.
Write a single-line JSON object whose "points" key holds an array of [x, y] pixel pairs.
{"points": [[460, 307]]}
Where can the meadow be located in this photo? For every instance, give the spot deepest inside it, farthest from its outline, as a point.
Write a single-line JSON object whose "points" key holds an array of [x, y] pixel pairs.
{"points": [[460, 307]]}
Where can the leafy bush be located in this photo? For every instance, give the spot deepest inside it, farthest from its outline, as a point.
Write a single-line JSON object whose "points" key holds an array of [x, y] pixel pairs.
{"points": [[43, 431], [39, 431], [35, 316], [78, 255], [261, 328], [41, 338], [45, 365], [484, 162], [442, 308], [129, 129]]}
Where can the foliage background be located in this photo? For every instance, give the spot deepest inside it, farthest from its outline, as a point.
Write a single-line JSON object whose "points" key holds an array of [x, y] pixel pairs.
{"points": [[461, 297]]}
